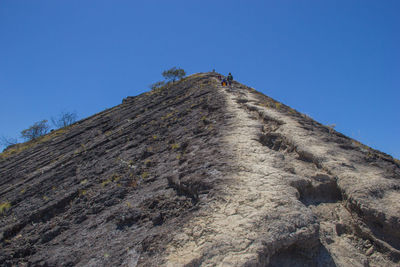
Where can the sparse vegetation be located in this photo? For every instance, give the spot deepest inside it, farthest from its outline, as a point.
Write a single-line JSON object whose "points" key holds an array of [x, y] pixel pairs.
{"points": [[145, 175], [360, 145], [105, 182], [156, 85], [5, 206], [38, 129], [175, 146], [116, 177], [6, 141], [170, 75], [64, 119], [18, 148], [173, 74], [169, 115]]}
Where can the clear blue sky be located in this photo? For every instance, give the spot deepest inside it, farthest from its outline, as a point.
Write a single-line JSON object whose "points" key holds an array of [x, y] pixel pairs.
{"points": [[337, 61]]}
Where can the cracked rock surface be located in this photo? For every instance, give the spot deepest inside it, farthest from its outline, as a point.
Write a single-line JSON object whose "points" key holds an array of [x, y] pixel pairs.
{"points": [[196, 174]]}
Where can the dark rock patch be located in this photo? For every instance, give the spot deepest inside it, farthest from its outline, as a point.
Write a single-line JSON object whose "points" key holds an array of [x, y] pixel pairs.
{"points": [[300, 255]]}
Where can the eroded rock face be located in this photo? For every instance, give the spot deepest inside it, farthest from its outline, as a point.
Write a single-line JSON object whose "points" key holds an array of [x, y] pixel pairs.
{"points": [[196, 174]]}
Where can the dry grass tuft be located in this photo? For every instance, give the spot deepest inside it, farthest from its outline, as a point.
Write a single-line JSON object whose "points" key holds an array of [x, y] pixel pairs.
{"points": [[5, 206]]}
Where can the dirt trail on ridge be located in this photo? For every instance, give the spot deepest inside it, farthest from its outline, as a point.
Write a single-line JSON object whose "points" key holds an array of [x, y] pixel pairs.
{"points": [[282, 204]]}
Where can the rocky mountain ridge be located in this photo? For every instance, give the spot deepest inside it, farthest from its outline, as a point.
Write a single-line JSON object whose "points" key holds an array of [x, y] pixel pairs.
{"points": [[196, 174]]}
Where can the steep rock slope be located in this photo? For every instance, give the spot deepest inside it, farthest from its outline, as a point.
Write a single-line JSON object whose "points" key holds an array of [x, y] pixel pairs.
{"points": [[115, 186], [196, 174]]}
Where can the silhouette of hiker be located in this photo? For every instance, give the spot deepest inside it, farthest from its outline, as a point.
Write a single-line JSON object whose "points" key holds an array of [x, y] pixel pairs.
{"points": [[230, 78]]}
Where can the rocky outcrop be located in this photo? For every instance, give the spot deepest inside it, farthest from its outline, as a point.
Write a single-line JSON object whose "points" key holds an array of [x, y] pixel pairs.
{"points": [[195, 174]]}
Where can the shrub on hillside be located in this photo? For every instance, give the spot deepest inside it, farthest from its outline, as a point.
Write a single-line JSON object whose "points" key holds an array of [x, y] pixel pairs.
{"points": [[173, 74], [64, 119], [157, 85], [36, 130]]}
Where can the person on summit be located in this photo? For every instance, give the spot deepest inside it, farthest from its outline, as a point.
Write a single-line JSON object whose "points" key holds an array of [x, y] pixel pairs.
{"points": [[224, 83], [230, 79]]}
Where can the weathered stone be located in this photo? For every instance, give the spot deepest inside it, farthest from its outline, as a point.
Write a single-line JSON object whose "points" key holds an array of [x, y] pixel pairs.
{"points": [[369, 251]]}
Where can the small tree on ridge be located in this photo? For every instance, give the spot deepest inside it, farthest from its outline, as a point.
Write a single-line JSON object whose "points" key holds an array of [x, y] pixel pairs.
{"points": [[173, 74], [64, 119], [36, 130]]}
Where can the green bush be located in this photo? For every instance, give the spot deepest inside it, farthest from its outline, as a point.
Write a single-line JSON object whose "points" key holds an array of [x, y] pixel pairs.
{"points": [[173, 74]]}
